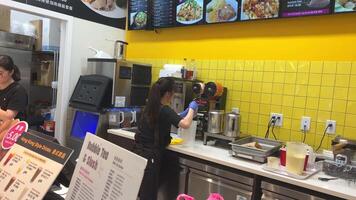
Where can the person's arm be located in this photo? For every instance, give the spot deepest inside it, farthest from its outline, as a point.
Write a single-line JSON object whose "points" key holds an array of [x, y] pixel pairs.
{"points": [[8, 114], [187, 120]]}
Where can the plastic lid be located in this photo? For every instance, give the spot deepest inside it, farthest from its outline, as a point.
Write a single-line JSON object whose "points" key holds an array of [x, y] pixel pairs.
{"points": [[236, 110]]}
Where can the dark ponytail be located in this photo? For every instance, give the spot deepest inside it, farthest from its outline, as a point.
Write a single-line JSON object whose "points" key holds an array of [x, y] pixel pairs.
{"points": [[153, 106], [7, 63]]}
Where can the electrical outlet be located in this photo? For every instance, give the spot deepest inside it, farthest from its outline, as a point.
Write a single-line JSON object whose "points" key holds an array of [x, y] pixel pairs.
{"points": [[305, 122], [332, 128], [279, 118]]}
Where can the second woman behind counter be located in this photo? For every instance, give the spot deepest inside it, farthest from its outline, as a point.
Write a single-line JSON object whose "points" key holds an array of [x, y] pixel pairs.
{"points": [[154, 132]]}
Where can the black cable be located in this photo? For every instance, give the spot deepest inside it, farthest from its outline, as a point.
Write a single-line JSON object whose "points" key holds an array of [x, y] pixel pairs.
{"points": [[268, 127], [322, 139], [274, 125], [305, 133]]}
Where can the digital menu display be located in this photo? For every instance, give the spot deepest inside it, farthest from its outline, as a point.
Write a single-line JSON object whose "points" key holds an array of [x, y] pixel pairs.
{"points": [[163, 13], [139, 15], [296, 8], [174, 13], [345, 6]]}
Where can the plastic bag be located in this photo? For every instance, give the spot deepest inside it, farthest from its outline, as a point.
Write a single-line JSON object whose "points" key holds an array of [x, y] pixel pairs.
{"points": [[215, 196], [185, 197]]}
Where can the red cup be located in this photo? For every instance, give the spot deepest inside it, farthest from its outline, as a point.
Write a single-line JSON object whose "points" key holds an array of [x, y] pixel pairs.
{"points": [[306, 162], [282, 156]]}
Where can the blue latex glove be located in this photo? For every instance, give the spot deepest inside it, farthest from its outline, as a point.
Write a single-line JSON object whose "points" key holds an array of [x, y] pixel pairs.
{"points": [[194, 105], [184, 113]]}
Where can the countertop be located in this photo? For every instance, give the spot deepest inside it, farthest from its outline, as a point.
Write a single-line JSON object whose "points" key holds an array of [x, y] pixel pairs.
{"points": [[339, 188]]}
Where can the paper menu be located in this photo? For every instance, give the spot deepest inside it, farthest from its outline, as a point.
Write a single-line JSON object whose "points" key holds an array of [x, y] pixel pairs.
{"points": [[30, 167], [106, 171]]}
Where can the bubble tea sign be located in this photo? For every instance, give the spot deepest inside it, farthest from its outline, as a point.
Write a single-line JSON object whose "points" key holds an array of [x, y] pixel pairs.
{"points": [[11, 136]]}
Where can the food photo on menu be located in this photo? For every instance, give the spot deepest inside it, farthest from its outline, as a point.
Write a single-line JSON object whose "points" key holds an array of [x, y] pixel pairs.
{"points": [[138, 20], [189, 11], [108, 8], [296, 8], [259, 9], [221, 11], [345, 6]]}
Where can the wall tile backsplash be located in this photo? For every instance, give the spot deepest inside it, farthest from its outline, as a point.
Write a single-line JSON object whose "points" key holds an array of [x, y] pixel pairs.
{"points": [[320, 90]]}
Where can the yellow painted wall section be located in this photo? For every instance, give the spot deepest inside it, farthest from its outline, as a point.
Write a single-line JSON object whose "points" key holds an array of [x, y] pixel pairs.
{"points": [[330, 37]]}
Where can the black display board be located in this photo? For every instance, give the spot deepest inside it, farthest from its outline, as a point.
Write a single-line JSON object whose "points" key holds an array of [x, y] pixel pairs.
{"points": [[173, 13], [140, 15], [112, 13]]}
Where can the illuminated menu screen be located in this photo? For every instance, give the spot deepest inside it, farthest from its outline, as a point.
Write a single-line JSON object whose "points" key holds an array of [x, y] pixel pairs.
{"points": [[139, 11], [296, 8], [163, 13], [173, 13]]}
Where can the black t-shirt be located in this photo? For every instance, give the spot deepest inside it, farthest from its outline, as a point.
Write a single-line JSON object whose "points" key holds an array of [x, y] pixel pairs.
{"points": [[167, 118], [14, 97]]}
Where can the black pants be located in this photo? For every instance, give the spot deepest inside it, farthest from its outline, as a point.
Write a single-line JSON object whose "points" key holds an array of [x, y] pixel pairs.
{"points": [[150, 182]]}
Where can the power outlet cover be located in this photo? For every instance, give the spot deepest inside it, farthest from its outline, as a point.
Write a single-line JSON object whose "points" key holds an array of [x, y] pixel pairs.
{"points": [[278, 116], [332, 129], [305, 122]]}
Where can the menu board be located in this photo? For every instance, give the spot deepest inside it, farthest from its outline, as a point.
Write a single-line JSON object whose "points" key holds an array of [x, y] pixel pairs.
{"points": [[163, 13], [30, 167], [174, 13], [296, 8], [112, 13], [106, 171], [345, 6], [139, 14]]}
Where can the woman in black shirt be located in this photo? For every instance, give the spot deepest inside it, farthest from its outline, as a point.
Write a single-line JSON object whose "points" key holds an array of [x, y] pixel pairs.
{"points": [[154, 132], [13, 97]]}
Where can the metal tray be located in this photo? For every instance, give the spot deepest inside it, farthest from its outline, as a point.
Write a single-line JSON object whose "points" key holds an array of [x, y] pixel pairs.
{"points": [[282, 171], [269, 147]]}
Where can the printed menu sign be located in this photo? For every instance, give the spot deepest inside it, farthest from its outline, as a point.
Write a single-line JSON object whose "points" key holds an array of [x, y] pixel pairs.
{"points": [[111, 13], [30, 167], [345, 6], [296, 8], [10, 131], [106, 171], [163, 13], [139, 14]]}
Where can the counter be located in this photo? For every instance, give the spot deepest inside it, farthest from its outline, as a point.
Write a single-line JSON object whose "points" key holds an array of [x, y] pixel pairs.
{"points": [[339, 188]]}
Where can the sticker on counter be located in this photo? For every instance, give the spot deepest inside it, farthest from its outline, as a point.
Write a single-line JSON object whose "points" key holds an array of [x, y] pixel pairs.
{"points": [[297, 8]]}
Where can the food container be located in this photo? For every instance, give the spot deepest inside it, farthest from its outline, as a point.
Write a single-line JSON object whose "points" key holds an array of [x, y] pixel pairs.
{"points": [[232, 125], [188, 135], [265, 147], [296, 156], [216, 121]]}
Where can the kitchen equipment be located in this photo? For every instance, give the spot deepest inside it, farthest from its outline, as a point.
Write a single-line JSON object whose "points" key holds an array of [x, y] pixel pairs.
{"points": [[254, 148], [296, 156], [131, 80], [281, 170], [216, 121], [123, 117], [325, 179], [232, 125], [345, 147], [214, 89], [16, 41], [120, 49]]}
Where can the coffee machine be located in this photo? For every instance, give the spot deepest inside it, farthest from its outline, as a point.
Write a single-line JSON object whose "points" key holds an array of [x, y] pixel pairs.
{"points": [[210, 96]]}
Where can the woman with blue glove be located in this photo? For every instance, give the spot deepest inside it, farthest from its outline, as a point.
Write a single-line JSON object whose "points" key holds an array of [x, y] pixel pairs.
{"points": [[154, 132]]}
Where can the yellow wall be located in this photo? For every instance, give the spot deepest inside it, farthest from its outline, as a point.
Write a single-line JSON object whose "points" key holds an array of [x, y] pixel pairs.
{"points": [[298, 67], [308, 38]]}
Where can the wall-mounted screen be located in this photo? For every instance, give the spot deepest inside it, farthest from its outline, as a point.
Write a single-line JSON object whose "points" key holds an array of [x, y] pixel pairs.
{"points": [[174, 13], [139, 15]]}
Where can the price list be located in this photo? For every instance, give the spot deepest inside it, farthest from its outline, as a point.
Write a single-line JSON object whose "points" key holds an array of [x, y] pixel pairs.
{"points": [[163, 13], [138, 14]]}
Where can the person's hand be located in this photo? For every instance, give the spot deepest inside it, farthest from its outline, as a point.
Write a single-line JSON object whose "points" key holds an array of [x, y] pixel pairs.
{"points": [[184, 113], [194, 105]]}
